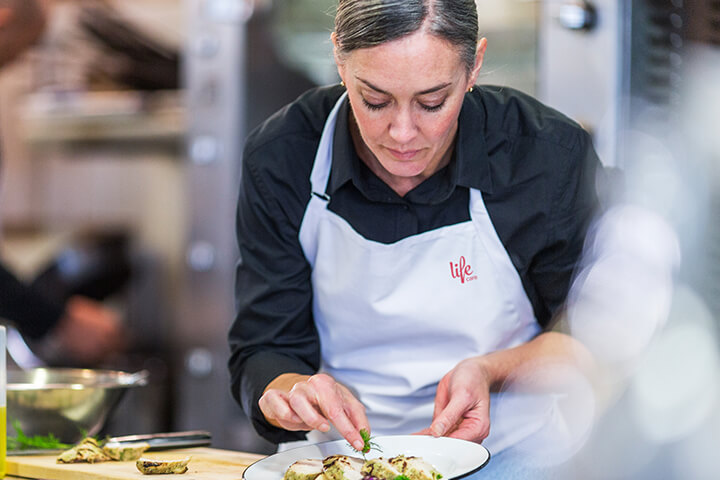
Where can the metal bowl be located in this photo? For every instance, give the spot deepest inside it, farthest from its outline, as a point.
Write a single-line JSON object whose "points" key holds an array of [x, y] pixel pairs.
{"points": [[67, 402]]}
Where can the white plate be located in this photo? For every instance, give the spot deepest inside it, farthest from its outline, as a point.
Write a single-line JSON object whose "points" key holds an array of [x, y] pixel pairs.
{"points": [[453, 458]]}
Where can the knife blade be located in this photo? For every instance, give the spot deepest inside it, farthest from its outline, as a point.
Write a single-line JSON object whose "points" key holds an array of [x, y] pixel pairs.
{"points": [[157, 441]]}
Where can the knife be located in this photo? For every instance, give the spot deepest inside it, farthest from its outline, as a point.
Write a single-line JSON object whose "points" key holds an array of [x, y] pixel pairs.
{"points": [[157, 441]]}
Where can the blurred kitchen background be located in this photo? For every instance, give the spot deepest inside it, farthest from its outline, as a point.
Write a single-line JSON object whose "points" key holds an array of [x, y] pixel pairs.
{"points": [[125, 125]]}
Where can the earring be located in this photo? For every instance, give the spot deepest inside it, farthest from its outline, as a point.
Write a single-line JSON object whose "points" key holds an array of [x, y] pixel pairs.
{"points": [[342, 84], [470, 89]]}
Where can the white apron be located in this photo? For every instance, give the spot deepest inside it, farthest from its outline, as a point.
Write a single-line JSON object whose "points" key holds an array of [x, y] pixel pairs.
{"points": [[393, 319]]}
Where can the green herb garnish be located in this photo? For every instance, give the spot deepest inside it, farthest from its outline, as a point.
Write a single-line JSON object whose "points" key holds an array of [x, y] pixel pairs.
{"points": [[366, 440], [402, 477], [368, 444], [41, 442]]}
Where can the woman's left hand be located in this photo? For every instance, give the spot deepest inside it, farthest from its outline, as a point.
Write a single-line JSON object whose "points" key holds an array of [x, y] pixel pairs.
{"points": [[462, 403]]}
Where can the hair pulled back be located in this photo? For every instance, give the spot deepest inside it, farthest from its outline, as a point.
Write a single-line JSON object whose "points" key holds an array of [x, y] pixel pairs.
{"points": [[368, 23]]}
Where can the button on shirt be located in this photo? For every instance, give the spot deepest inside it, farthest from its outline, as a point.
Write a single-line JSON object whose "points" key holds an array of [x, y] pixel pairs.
{"points": [[535, 169]]}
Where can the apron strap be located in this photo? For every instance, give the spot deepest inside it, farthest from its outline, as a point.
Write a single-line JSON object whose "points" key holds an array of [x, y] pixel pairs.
{"points": [[323, 157]]}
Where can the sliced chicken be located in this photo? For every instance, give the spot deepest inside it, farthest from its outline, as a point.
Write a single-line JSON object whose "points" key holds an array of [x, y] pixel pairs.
{"points": [[309, 469], [342, 467], [381, 469], [415, 468]]}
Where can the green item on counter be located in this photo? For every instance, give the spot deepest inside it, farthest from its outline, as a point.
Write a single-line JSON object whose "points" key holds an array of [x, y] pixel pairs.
{"points": [[22, 441]]}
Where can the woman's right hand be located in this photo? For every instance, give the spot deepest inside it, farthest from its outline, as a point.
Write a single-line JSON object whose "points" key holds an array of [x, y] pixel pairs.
{"points": [[301, 402]]}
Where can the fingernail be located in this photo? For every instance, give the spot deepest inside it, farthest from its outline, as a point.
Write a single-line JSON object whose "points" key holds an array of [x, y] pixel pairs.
{"points": [[438, 429], [358, 445], [324, 427]]}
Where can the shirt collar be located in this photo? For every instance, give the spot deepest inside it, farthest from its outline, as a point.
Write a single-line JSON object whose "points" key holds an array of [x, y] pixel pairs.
{"points": [[470, 166], [345, 163]]}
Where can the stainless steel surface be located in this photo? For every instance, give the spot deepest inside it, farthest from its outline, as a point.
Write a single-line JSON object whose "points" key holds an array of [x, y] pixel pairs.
{"points": [[581, 71], [66, 402], [577, 15], [234, 78], [215, 80], [621, 76]]}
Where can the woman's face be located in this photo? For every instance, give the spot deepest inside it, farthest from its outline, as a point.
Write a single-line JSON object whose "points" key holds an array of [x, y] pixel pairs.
{"points": [[406, 96]]}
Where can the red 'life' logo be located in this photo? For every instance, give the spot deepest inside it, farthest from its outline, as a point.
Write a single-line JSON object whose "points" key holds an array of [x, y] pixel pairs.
{"points": [[462, 270]]}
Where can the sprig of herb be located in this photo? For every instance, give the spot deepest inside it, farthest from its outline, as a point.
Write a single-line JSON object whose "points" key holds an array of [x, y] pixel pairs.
{"points": [[23, 442], [368, 444]]}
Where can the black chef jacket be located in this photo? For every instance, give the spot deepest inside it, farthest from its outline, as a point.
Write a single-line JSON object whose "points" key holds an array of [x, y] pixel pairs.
{"points": [[536, 171]]}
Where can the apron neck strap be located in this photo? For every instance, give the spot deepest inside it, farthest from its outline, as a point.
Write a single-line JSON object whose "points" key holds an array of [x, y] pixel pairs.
{"points": [[323, 157]]}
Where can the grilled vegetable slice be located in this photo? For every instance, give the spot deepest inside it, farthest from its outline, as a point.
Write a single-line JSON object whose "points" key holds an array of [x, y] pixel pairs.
{"points": [[124, 452], [87, 451], [152, 467]]}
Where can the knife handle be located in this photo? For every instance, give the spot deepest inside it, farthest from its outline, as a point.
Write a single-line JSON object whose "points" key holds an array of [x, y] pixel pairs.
{"points": [[163, 441]]}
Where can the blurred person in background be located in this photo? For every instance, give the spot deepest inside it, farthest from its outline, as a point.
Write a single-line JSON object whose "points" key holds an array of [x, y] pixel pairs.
{"points": [[79, 331]]}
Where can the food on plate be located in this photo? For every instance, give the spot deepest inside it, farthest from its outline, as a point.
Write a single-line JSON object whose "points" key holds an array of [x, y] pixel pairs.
{"points": [[125, 452], [308, 469], [380, 468], [87, 451], [342, 467], [415, 468], [151, 467]]}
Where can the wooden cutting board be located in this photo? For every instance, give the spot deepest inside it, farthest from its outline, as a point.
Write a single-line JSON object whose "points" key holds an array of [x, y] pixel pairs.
{"points": [[206, 464]]}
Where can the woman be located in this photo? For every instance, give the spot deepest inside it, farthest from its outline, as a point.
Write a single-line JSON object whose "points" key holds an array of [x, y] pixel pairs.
{"points": [[406, 237]]}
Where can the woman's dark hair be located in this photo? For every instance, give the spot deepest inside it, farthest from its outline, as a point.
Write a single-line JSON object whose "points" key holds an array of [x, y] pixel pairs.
{"points": [[368, 23]]}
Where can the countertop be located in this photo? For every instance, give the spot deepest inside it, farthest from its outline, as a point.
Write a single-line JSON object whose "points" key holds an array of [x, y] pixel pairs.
{"points": [[205, 464]]}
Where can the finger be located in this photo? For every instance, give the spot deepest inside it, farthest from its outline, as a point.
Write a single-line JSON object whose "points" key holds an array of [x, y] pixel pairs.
{"points": [[355, 410], [474, 424], [472, 429], [442, 397], [333, 407], [304, 402], [274, 405], [451, 414], [424, 431]]}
